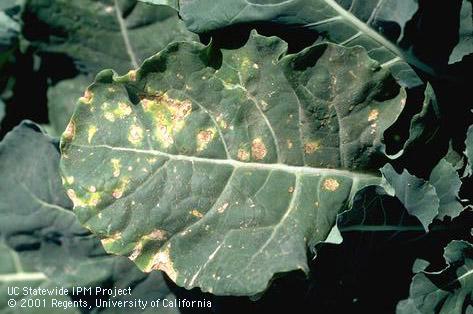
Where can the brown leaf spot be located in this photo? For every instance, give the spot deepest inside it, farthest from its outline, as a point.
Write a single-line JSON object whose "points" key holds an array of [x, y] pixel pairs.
{"points": [[162, 261], [70, 131], [373, 115], [222, 208], [331, 184], [204, 138], [196, 213], [156, 235], [310, 148], [87, 97], [258, 149]]}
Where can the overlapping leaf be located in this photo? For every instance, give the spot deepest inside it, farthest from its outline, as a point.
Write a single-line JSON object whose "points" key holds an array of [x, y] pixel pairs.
{"points": [[9, 29], [465, 41], [220, 167], [37, 223], [448, 291], [102, 34], [14, 272], [349, 23]]}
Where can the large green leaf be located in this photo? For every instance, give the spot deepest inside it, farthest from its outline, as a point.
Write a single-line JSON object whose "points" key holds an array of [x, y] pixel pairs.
{"points": [[465, 41], [349, 23], [446, 292], [102, 34], [37, 223], [220, 167]]}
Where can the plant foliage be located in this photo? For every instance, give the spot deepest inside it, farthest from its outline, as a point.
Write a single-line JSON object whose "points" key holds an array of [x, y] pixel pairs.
{"points": [[313, 150]]}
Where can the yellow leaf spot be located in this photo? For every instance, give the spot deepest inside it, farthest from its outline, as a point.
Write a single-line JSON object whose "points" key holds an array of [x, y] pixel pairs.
{"points": [[331, 184], [162, 261], [255, 66], [169, 116], [245, 62], [289, 144], [196, 213], [243, 155], [136, 251], [91, 201], [373, 115], [91, 132], [258, 149], [118, 191], [116, 166], [135, 134], [87, 98], [204, 138], [109, 116], [222, 208], [92, 189], [221, 122], [122, 110], [75, 200], [132, 75], [70, 180], [151, 161], [107, 242]]}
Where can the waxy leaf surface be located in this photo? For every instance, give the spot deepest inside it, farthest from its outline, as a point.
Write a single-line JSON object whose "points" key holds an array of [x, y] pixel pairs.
{"points": [[102, 34], [220, 167], [347, 22], [465, 33], [448, 291]]}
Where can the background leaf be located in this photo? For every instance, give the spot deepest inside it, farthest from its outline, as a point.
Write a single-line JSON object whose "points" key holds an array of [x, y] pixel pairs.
{"points": [[465, 41], [417, 195], [350, 23], [447, 291], [102, 34]]}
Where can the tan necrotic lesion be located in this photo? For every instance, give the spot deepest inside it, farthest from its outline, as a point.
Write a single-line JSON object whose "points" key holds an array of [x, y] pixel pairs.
{"points": [[168, 115]]}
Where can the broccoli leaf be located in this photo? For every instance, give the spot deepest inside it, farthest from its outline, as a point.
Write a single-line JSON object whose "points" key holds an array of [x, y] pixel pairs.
{"points": [[445, 292], [220, 167], [350, 23], [465, 41], [102, 34]]}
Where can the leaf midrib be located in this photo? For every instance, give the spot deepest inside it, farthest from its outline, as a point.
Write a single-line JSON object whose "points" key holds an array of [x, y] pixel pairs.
{"points": [[125, 36], [364, 28], [307, 170]]}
